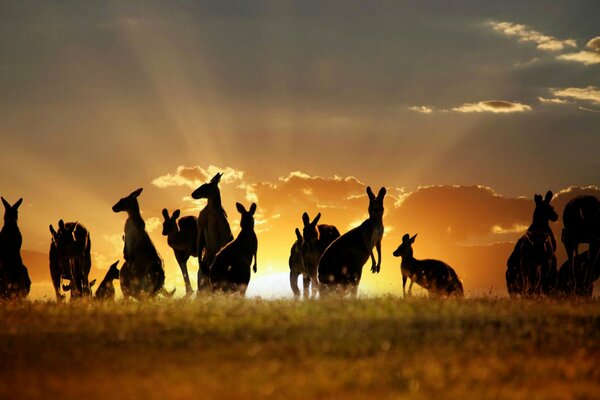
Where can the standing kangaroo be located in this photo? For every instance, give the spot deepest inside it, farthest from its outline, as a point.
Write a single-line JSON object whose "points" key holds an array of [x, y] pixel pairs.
{"points": [[581, 219], [70, 258], [14, 277], [106, 290], [231, 268], [313, 242], [342, 262], [434, 275], [143, 273], [213, 228], [182, 237], [531, 267]]}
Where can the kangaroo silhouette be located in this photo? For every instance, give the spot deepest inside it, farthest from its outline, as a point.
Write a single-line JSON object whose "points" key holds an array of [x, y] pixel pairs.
{"points": [[531, 267], [106, 289], [581, 220], [14, 277], [70, 258], [434, 275], [340, 267], [311, 245], [230, 271], [213, 228], [182, 237], [142, 274]]}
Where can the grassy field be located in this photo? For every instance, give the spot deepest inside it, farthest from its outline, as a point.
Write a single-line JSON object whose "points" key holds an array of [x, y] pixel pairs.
{"points": [[377, 348]]}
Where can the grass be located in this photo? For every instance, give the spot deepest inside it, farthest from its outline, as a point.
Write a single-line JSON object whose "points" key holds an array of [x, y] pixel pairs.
{"points": [[384, 348]]}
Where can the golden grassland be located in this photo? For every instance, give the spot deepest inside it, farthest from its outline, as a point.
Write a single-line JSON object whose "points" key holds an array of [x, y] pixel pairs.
{"points": [[230, 348]]}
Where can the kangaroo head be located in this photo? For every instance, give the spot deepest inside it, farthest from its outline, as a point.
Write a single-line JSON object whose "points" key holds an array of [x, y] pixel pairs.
{"points": [[247, 221], [544, 212], [405, 248], [129, 202], [310, 231], [113, 272], [208, 189], [11, 213], [170, 223], [376, 202]]}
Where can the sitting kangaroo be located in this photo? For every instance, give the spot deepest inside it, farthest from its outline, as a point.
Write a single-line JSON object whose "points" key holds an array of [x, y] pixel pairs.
{"points": [[143, 273], [342, 262], [106, 290], [14, 277], [231, 269], [434, 275], [182, 237]]}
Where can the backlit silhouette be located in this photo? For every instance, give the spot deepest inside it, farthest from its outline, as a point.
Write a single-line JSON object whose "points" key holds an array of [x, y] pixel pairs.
{"points": [[70, 258], [231, 268], [213, 228], [581, 219], [434, 275], [531, 268], [182, 237], [106, 290], [14, 277], [340, 267], [143, 273]]}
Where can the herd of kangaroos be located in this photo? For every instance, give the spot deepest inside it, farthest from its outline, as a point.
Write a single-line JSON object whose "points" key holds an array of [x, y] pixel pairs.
{"points": [[328, 262]]}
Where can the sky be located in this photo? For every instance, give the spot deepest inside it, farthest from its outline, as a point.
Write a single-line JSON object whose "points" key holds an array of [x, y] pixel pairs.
{"points": [[462, 109]]}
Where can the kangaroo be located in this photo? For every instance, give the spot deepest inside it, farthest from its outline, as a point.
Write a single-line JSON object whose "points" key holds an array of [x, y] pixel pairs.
{"points": [[341, 264], [14, 277], [531, 267], [70, 258], [106, 289], [297, 268], [142, 274], [182, 237], [231, 269], [316, 238], [434, 275], [213, 228], [581, 220]]}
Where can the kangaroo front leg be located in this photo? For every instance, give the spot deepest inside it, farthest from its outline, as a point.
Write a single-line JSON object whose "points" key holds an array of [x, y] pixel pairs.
{"points": [[404, 278], [294, 283], [378, 247], [373, 264], [410, 288], [306, 284], [182, 261]]}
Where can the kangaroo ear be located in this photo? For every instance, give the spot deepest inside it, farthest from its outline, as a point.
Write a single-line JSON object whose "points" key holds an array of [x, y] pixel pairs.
{"points": [[114, 265], [381, 193], [216, 178], [240, 208], [176, 214], [412, 239], [92, 283], [537, 198], [549, 196], [73, 227], [405, 238], [61, 224], [298, 235], [305, 219], [52, 231], [370, 193], [316, 220], [17, 204], [165, 213], [6, 205], [137, 192], [253, 208]]}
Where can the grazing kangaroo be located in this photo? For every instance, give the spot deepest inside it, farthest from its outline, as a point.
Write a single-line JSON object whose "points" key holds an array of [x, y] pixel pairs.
{"points": [[583, 264], [70, 258], [14, 277], [182, 237], [316, 238], [231, 269], [531, 267], [142, 274], [341, 264], [213, 228], [106, 290], [436, 276], [581, 219]]}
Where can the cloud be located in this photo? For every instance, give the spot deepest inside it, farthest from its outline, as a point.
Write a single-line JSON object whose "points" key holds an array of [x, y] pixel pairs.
{"points": [[153, 224], [493, 106], [525, 34], [588, 109], [590, 93], [585, 57], [193, 177], [552, 101], [421, 109]]}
